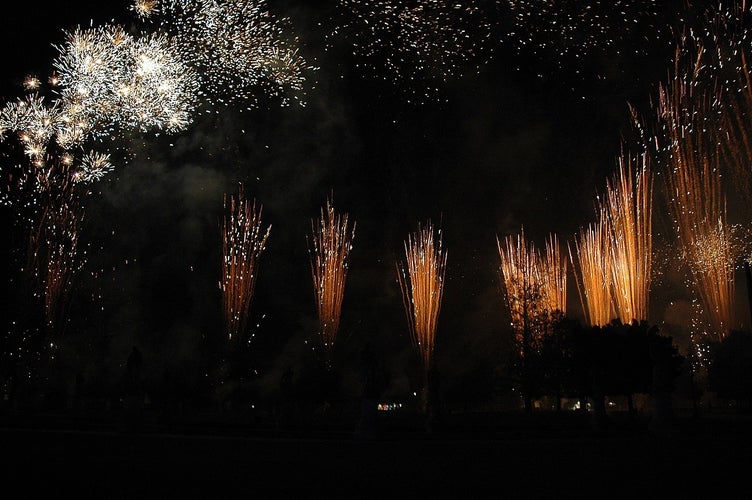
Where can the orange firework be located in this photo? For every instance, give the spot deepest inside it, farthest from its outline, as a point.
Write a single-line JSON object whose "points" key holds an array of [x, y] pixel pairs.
{"points": [[331, 244], [696, 201], [242, 244], [594, 279], [553, 275], [737, 130], [629, 209], [421, 280], [534, 286]]}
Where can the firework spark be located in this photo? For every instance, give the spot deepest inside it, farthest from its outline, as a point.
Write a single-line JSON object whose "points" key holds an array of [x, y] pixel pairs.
{"points": [[702, 127], [421, 280], [94, 166], [34, 122], [553, 274], [52, 217], [109, 77], [238, 48], [424, 41], [727, 43], [534, 286], [145, 8], [243, 241], [63, 257], [695, 196], [594, 277], [329, 252], [105, 79], [628, 205], [568, 32]]}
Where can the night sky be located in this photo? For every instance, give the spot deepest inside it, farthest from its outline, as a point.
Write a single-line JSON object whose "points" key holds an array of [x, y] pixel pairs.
{"points": [[518, 142]]}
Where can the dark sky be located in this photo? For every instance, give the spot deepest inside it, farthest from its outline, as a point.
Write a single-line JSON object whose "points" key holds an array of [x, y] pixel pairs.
{"points": [[521, 143]]}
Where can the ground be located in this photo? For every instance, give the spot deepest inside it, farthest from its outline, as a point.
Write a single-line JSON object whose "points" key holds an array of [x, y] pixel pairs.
{"points": [[546, 455]]}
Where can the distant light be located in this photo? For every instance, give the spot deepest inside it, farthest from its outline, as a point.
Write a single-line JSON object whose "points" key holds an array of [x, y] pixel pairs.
{"points": [[389, 406]]}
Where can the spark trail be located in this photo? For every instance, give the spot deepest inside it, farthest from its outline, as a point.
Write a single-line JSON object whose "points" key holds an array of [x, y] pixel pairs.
{"points": [[329, 250], [629, 207], [243, 242], [534, 286], [421, 280]]}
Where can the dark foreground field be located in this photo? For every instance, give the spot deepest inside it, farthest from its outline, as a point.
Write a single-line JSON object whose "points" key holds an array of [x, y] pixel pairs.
{"points": [[473, 455]]}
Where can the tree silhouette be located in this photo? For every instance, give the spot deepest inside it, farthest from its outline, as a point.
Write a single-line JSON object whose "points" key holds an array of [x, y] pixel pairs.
{"points": [[730, 369]]}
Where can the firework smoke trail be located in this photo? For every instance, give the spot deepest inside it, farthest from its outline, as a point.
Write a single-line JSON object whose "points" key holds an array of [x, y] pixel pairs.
{"points": [[628, 204], [238, 48], [419, 43], [594, 278], [534, 286], [421, 280], [243, 241], [331, 243]]}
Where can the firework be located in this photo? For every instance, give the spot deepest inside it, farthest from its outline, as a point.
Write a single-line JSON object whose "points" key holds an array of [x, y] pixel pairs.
{"points": [[534, 286], [737, 146], [424, 41], [243, 241], [693, 189], [109, 77], [94, 166], [52, 216], [628, 205], [701, 127], [421, 280], [145, 8], [727, 44], [594, 277], [329, 252], [63, 257], [105, 79], [567, 32], [34, 122], [240, 51], [553, 274]]}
